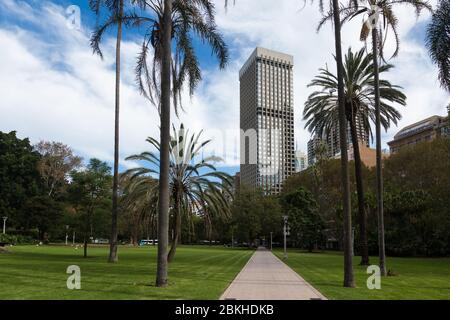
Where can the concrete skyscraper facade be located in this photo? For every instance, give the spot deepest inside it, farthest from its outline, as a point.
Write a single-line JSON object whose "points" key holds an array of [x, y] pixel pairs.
{"points": [[267, 120], [329, 144]]}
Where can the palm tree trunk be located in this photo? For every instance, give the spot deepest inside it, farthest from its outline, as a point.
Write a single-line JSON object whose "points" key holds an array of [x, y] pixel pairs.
{"points": [[113, 242], [163, 207], [85, 245], [348, 252], [360, 193], [176, 233], [381, 246]]}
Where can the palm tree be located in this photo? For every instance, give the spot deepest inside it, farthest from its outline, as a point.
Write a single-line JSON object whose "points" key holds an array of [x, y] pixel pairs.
{"points": [[139, 200], [372, 11], [438, 34], [167, 21], [195, 184], [116, 18], [321, 111], [348, 252]]}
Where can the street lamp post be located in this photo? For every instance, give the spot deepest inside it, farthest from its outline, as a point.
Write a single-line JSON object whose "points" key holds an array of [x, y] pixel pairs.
{"points": [[286, 231], [73, 238], [67, 235], [353, 241], [271, 241], [4, 224], [232, 238]]}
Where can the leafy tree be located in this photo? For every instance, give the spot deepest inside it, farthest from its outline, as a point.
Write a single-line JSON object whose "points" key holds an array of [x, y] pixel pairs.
{"points": [[323, 181], [174, 22], [307, 226], [57, 161], [118, 18], [255, 216], [321, 110], [19, 177], [43, 213], [438, 34], [420, 169], [196, 187], [417, 197], [89, 193]]}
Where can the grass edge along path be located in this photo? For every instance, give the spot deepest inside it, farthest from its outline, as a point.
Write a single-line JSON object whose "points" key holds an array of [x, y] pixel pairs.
{"points": [[198, 272], [415, 278]]}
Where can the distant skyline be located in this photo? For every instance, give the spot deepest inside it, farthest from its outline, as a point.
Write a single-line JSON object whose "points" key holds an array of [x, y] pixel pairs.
{"points": [[53, 88]]}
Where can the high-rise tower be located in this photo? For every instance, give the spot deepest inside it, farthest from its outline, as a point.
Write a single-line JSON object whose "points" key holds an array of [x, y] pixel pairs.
{"points": [[267, 119]]}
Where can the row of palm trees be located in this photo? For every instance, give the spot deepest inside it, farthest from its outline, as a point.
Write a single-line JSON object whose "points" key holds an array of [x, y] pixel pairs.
{"points": [[378, 18], [167, 62], [352, 102]]}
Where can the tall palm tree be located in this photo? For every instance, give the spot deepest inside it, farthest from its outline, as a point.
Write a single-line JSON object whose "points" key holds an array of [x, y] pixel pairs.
{"points": [[348, 252], [116, 18], [195, 184], [321, 111], [167, 22], [378, 16], [438, 43]]}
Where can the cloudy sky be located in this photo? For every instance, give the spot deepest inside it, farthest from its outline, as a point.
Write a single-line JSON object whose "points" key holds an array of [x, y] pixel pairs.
{"points": [[53, 88]]}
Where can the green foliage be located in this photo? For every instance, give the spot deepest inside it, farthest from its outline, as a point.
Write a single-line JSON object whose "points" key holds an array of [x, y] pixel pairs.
{"points": [[256, 215], [417, 199], [44, 214], [192, 21], [438, 42], [306, 224], [196, 187], [321, 108], [16, 239], [7, 238], [323, 180], [19, 177], [418, 184], [90, 192]]}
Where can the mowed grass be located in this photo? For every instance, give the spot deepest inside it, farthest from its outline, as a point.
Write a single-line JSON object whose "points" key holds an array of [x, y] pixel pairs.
{"points": [[30, 272], [417, 278]]}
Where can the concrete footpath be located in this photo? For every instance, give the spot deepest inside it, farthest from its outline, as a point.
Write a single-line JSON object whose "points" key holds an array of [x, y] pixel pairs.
{"points": [[265, 277]]}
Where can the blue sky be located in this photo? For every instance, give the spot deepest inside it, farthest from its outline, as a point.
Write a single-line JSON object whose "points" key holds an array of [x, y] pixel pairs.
{"points": [[53, 88]]}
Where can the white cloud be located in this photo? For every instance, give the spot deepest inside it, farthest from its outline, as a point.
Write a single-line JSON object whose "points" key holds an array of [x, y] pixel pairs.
{"points": [[57, 90], [53, 88]]}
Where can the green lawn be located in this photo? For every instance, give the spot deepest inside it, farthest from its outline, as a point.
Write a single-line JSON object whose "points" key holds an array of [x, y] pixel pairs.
{"points": [[417, 278], [31, 272]]}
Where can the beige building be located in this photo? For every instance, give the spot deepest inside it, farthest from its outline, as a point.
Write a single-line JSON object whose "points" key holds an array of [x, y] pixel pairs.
{"points": [[267, 119], [329, 144], [368, 155], [424, 130]]}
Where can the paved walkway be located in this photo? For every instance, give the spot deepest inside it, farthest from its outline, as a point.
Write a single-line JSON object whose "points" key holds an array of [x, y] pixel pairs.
{"points": [[265, 277]]}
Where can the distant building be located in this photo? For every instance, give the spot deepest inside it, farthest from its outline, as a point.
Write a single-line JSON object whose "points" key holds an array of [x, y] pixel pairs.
{"points": [[267, 119], [313, 146], [328, 146], [237, 182], [301, 161], [368, 155], [424, 130]]}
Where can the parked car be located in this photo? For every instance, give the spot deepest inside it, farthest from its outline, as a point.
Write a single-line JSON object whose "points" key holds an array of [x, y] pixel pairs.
{"points": [[101, 241], [148, 242]]}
